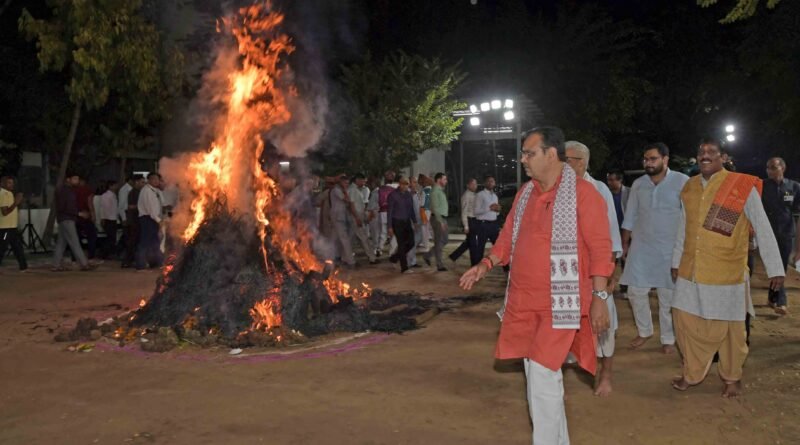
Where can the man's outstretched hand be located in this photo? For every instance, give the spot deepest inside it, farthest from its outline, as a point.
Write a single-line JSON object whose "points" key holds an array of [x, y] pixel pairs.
{"points": [[472, 276]]}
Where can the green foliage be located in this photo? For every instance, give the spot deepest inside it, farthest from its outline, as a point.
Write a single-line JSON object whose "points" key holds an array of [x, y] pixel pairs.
{"points": [[112, 55], [586, 65], [402, 106], [9, 154], [744, 9]]}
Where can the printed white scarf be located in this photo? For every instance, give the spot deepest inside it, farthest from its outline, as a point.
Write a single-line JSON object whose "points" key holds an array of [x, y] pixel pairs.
{"points": [[564, 282]]}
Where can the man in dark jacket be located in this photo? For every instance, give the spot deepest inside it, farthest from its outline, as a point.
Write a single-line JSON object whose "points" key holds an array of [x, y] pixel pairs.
{"points": [[67, 215], [401, 214]]}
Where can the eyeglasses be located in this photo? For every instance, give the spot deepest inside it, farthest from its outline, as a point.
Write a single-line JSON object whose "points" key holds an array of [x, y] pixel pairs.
{"points": [[523, 153]]}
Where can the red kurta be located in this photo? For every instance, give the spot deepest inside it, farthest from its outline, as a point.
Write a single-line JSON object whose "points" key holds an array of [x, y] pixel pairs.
{"points": [[527, 328]]}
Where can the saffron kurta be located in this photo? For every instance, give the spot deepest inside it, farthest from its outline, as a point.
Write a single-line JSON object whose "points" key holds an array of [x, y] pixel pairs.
{"points": [[527, 327]]}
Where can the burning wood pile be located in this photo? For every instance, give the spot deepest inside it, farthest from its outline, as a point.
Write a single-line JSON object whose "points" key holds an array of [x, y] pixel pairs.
{"points": [[246, 273]]}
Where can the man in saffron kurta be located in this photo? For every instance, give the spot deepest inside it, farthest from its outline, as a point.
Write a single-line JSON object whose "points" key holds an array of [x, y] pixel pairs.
{"points": [[709, 264], [529, 329]]}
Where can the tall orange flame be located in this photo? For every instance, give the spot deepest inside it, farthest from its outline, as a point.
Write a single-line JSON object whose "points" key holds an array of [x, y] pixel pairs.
{"points": [[230, 173]]}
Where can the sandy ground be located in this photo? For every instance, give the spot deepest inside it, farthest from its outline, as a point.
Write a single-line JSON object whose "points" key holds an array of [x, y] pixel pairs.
{"points": [[436, 385]]}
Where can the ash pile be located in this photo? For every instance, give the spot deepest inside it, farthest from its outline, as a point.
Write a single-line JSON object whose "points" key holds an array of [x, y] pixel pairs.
{"points": [[223, 291]]}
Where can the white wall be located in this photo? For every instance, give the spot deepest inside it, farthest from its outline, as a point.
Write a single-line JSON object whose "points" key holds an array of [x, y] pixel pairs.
{"points": [[428, 163]]}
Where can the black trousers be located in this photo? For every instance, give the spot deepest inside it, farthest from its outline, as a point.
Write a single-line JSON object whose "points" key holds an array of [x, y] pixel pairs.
{"points": [[86, 229], [468, 241], [148, 252], [11, 238], [404, 232], [486, 231], [131, 240], [110, 244], [785, 247]]}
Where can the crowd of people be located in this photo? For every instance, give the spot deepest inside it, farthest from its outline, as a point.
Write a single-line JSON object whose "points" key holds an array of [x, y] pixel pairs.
{"points": [[138, 205], [568, 241], [95, 216], [398, 218], [568, 237]]}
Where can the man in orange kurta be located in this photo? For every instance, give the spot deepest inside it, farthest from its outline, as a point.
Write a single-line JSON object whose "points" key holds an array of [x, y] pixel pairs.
{"points": [[527, 329]]}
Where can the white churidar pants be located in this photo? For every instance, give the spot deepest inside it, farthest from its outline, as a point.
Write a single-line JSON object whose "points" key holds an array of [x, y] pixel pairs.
{"points": [[546, 404], [640, 303]]}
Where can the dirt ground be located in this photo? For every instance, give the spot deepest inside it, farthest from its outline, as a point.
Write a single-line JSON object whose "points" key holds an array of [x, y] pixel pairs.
{"points": [[436, 385]]}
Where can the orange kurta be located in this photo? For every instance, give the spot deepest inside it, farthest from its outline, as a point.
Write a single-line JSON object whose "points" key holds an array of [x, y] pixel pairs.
{"points": [[527, 327]]}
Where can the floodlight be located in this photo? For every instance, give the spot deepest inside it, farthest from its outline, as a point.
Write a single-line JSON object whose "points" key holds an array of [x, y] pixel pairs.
{"points": [[729, 128], [485, 106], [474, 121], [730, 138], [496, 104], [509, 103], [473, 109], [508, 115]]}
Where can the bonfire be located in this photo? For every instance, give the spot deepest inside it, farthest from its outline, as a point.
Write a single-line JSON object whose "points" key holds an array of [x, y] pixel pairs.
{"points": [[246, 273]]}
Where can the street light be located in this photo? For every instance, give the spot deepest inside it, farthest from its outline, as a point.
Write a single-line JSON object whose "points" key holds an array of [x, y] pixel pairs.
{"points": [[729, 128], [485, 106], [473, 109], [509, 103], [496, 104], [474, 121], [508, 115], [730, 138]]}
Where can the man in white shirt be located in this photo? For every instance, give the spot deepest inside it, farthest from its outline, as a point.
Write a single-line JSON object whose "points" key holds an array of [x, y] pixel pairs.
{"points": [[150, 208], [109, 209], [341, 208], [578, 158], [648, 236], [122, 199], [487, 208], [358, 221], [374, 219], [467, 219]]}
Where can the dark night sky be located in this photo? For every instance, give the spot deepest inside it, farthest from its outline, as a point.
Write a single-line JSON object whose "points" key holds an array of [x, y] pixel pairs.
{"points": [[689, 75], [616, 74]]}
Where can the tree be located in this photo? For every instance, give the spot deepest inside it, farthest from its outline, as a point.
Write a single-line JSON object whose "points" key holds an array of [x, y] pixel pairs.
{"points": [[107, 49], [9, 155], [402, 106], [744, 9]]}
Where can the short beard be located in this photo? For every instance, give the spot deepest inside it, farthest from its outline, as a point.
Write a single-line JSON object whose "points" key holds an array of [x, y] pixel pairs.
{"points": [[655, 171]]}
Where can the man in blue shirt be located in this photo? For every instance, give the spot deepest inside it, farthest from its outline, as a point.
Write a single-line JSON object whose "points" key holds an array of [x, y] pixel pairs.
{"points": [[781, 198], [401, 214]]}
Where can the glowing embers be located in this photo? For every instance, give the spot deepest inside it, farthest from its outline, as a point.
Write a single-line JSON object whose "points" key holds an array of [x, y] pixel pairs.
{"points": [[267, 312], [338, 289]]}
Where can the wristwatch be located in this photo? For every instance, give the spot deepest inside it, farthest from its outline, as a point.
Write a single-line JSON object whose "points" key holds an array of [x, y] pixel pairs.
{"points": [[601, 293]]}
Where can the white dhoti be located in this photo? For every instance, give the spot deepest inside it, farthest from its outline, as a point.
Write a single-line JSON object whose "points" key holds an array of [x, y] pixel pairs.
{"points": [[606, 342], [546, 404], [640, 303]]}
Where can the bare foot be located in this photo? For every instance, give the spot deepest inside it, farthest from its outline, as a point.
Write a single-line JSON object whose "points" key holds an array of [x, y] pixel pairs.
{"points": [[732, 390], [781, 310], [680, 384], [668, 349], [603, 386], [637, 342]]}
